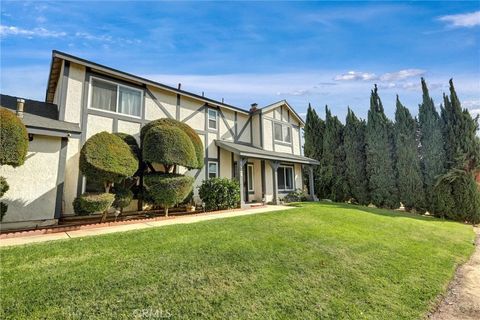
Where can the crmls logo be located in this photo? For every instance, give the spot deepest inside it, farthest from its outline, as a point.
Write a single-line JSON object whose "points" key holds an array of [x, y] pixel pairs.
{"points": [[151, 313]]}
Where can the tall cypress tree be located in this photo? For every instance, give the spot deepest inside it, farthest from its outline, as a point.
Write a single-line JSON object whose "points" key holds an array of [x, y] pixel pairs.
{"points": [[409, 176], [461, 147], [438, 199], [379, 150], [333, 159], [313, 145], [355, 158]]}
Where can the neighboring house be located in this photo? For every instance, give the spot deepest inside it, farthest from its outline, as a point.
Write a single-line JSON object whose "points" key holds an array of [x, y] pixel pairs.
{"points": [[262, 146]]}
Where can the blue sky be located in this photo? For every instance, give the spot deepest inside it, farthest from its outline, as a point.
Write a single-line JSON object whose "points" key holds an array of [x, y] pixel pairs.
{"points": [[319, 52]]}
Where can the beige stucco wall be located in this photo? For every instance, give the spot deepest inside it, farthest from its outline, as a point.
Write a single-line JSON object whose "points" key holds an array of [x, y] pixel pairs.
{"points": [[71, 175], [225, 133], [187, 107], [96, 124], [73, 106], [32, 192], [225, 164], [167, 99], [241, 121], [132, 128]]}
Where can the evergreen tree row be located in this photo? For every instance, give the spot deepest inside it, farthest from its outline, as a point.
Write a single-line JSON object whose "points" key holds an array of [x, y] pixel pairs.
{"points": [[426, 164]]}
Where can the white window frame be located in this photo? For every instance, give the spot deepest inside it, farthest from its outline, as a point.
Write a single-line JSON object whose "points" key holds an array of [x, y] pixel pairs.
{"points": [[208, 169], [215, 119], [90, 90], [284, 127], [285, 178], [252, 183]]}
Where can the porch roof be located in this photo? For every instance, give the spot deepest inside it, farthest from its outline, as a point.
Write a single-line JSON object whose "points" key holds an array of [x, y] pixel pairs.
{"points": [[253, 152]]}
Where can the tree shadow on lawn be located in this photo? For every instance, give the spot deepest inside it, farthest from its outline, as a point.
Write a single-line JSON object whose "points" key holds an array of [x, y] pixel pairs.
{"points": [[378, 211]]}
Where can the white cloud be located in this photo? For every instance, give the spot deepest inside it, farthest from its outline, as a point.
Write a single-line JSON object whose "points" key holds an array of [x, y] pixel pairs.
{"points": [[35, 32], [354, 75], [467, 20], [475, 112], [402, 74], [471, 104]]}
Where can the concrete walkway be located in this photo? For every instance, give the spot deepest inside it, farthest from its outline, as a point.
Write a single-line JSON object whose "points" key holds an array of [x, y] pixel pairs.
{"points": [[136, 226]]}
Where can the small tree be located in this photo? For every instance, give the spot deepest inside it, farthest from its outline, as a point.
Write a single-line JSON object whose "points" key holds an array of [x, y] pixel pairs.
{"points": [[13, 148], [108, 159], [170, 143]]}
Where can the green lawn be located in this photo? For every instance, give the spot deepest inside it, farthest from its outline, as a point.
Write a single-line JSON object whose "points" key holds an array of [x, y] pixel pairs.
{"points": [[316, 261]]}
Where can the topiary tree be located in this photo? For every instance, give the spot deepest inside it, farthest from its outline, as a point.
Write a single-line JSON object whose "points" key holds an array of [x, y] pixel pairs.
{"points": [[13, 139], [168, 189], [169, 146], [106, 158], [123, 197], [13, 148], [130, 141], [170, 143], [189, 131]]}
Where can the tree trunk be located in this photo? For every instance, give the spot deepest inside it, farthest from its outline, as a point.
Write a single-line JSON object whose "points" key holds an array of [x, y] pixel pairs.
{"points": [[166, 211]]}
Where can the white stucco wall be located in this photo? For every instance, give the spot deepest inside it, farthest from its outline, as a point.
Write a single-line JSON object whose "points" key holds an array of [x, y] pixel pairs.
{"points": [[71, 175], [32, 192], [73, 107], [96, 124]]}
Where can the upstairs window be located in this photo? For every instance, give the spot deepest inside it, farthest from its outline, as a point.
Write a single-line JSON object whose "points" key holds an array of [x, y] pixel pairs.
{"points": [[212, 119], [282, 133], [113, 97]]}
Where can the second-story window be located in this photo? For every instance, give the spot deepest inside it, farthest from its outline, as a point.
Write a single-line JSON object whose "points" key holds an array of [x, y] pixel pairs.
{"points": [[212, 119], [282, 133], [113, 97]]}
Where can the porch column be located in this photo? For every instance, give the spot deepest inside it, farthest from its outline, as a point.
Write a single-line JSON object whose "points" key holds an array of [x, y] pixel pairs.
{"points": [[311, 182], [241, 162], [275, 165]]}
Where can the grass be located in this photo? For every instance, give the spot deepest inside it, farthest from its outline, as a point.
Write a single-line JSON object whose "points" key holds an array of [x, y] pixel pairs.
{"points": [[319, 260]]}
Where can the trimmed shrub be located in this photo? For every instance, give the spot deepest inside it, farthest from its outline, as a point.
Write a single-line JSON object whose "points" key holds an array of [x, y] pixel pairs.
{"points": [[195, 139], [169, 146], [296, 196], [89, 203], [123, 197], [3, 186], [167, 190], [130, 141], [107, 158], [13, 139], [220, 193]]}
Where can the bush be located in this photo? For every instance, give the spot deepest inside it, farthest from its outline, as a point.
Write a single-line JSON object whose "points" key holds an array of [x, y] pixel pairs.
{"points": [[123, 197], [169, 146], [13, 139], [296, 196], [220, 193], [169, 189], [195, 139], [107, 158], [89, 203], [130, 141]]}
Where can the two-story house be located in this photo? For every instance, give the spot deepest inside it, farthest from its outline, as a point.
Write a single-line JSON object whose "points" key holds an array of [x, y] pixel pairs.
{"points": [[262, 147]]}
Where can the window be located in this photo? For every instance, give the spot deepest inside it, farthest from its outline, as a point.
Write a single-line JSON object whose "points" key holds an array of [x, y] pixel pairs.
{"points": [[282, 133], [285, 178], [250, 178], [212, 170], [212, 119], [117, 98]]}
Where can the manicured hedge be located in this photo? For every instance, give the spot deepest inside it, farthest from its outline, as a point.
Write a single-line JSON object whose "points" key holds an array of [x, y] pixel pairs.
{"points": [[220, 193], [131, 141], [13, 139], [123, 197], [195, 139], [89, 203], [106, 157], [167, 190], [168, 145]]}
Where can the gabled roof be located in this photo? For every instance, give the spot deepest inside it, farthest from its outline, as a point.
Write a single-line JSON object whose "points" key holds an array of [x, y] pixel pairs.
{"points": [[253, 152], [57, 56], [41, 117], [279, 104]]}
